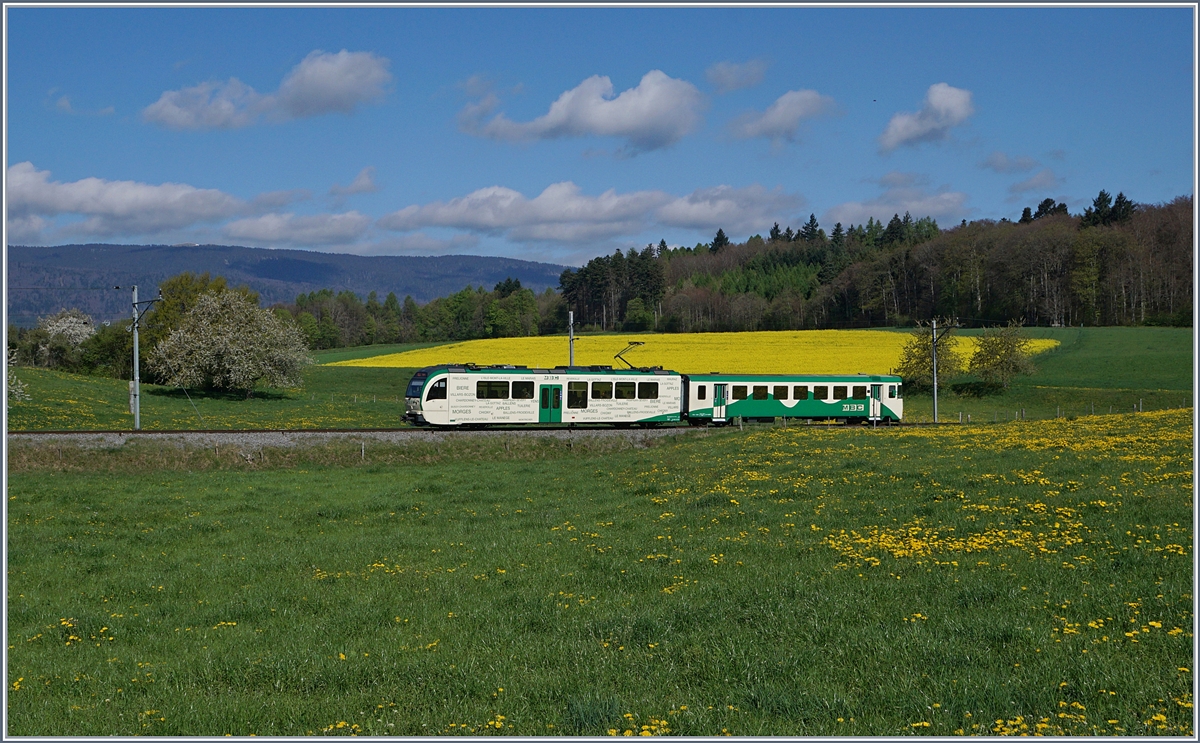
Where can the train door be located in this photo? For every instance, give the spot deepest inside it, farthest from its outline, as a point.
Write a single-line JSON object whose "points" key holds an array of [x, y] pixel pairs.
{"points": [[876, 403], [550, 404], [718, 402]]}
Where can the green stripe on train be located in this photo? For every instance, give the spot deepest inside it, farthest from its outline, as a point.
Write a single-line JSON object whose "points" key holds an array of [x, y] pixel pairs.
{"points": [[750, 408]]}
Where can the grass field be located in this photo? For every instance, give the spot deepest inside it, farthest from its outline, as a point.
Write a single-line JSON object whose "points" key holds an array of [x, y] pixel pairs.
{"points": [[332, 397], [1090, 370], [1031, 577]]}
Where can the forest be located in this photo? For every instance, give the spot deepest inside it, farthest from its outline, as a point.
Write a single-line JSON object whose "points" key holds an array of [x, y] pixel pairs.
{"points": [[1118, 263]]}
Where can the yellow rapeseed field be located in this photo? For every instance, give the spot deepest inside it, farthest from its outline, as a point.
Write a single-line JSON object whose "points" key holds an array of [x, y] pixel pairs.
{"points": [[760, 352]]}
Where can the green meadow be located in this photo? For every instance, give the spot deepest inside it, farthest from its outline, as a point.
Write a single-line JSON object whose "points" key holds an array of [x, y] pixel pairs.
{"points": [[1028, 577], [1019, 578], [332, 397], [1093, 371]]}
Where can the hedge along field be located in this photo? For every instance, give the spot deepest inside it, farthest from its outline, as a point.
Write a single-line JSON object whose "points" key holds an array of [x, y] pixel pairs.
{"points": [[1030, 577], [759, 352]]}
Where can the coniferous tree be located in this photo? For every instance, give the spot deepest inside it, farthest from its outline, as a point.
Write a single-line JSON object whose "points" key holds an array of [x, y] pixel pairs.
{"points": [[775, 233], [838, 237], [719, 241], [1026, 216], [1122, 209], [810, 232], [1047, 208], [1099, 213], [894, 232]]}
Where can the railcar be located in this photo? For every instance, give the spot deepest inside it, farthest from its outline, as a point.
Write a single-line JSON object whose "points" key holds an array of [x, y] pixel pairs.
{"points": [[470, 395], [461, 395], [718, 398]]}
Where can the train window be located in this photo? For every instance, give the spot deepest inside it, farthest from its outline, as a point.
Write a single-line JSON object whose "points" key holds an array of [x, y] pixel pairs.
{"points": [[780, 393], [839, 392], [491, 390], [577, 394], [601, 390], [557, 399], [760, 392], [414, 386], [739, 392], [437, 391], [647, 390], [899, 390], [545, 398], [891, 391], [701, 392], [820, 392], [860, 392], [522, 390], [800, 392], [626, 391]]}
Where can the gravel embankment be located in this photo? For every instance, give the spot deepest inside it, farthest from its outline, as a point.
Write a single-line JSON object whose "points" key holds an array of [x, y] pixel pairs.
{"points": [[271, 439]]}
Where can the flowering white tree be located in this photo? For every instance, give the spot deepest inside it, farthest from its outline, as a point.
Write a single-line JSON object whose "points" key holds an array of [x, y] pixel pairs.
{"points": [[226, 342], [70, 326], [17, 390]]}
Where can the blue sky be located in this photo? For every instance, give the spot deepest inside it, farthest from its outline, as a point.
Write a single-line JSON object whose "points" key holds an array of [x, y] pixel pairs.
{"points": [[562, 134]]}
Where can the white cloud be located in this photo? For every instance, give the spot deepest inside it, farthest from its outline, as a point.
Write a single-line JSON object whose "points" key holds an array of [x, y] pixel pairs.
{"points": [[945, 107], [560, 212], [782, 118], [735, 210], [208, 105], [657, 113], [96, 207], [1002, 163], [470, 119], [322, 83], [1042, 180], [476, 85], [563, 214], [64, 105], [364, 182], [728, 76], [272, 200], [417, 243], [114, 207], [26, 229], [290, 229], [902, 192]]}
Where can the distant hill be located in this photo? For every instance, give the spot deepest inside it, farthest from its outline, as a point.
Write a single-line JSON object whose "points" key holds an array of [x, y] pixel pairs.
{"points": [[277, 275]]}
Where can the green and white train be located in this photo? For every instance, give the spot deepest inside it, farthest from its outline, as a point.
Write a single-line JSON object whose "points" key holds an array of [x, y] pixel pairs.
{"points": [[461, 395]]}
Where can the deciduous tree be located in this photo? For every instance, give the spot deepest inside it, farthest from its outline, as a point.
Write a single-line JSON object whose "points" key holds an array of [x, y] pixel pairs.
{"points": [[226, 342], [1001, 353], [916, 359]]}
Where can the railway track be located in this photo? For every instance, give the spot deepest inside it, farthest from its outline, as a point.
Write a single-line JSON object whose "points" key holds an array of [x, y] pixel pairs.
{"points": [[269, 438], [279, 437]]}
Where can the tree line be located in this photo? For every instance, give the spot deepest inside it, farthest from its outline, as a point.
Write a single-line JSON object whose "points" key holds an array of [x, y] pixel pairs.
{"points": [[1117, 263], [70, 341], [342, 319]]}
